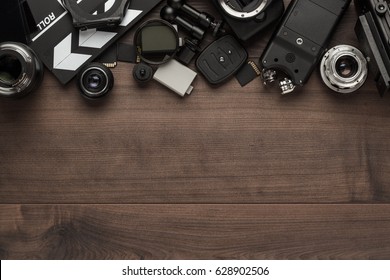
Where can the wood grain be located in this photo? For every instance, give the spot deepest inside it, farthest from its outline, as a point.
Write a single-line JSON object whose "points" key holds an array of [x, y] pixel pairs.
{"points": [[227, 172], [220, 145], [195, 232]]}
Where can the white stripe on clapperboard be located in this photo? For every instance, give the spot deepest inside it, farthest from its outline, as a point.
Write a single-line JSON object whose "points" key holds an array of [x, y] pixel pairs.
{"points": [[64, 59]]}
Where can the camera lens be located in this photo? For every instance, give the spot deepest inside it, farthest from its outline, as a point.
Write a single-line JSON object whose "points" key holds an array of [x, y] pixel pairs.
{"points": [[20, 70], [347, 66], [95, 81], [344, 69]]}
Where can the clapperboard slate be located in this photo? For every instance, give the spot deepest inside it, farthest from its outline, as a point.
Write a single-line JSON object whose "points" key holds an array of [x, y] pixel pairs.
{"points": [[64, 49]]}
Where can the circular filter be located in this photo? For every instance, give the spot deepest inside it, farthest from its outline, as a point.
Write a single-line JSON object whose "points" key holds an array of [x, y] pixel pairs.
{"points": [[156, 41]]}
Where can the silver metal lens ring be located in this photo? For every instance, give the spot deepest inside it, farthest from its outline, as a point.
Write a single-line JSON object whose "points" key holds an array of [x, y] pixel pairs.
{"points": [[20, 70], [231, 10], [344, 69]]}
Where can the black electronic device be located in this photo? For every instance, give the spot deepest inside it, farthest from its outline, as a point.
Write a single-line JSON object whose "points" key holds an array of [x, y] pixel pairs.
{"points": [[221, 59], [204, 20], [373, 32], [249, 17], [143, 73], [300, 41], [97, 16]]}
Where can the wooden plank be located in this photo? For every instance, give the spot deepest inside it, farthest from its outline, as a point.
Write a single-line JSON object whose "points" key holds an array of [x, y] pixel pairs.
{"points": [[226, 146], [195, 232], [220, 145]]}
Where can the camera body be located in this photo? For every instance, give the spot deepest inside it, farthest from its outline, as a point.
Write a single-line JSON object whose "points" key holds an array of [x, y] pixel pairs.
{"points": [[248, 17]]}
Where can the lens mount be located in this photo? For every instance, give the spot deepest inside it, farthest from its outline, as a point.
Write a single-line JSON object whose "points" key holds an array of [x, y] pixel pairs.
{"points": [[95, 81], [344, 69], [243, 9], [20, 70]]}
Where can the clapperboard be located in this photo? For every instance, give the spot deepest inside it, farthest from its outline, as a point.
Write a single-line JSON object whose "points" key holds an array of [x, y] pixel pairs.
{"points": [[64, 49]]}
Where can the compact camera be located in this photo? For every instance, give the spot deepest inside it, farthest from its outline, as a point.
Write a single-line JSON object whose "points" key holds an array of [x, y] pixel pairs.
{"points": [[248, 17]]}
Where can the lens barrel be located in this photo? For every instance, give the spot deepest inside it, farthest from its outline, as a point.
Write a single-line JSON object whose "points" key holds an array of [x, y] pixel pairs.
{"points": [[21, 71], [95, 81]]}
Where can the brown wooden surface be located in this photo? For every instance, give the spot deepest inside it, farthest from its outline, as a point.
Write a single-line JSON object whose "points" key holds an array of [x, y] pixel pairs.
{"points": [[227, 172]]}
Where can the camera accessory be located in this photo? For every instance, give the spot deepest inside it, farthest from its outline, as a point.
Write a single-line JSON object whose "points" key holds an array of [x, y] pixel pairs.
{"points": [[373, 32], [221, 59], [95, 81], [20, 70], [248, 73], [143, 73], [205, 20], [300, 40], [170, 14], [344, 69], [64, 49], [176, 77], [156, 41], [249, 17], [83, 19]]}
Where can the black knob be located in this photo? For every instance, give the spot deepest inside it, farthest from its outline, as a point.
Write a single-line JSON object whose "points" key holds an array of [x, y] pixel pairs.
{"points": [[142, 73], [176, 4]]}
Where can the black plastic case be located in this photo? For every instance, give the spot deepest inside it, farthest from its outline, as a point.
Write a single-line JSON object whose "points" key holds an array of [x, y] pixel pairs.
{"points": [[302, 37]]}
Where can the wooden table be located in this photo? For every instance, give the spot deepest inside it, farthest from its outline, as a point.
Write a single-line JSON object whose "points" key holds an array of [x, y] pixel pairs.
{"points": [[228, 172]]}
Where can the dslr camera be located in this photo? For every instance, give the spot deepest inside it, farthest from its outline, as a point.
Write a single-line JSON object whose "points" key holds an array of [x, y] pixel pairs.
{"points": [[248, 17]]}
